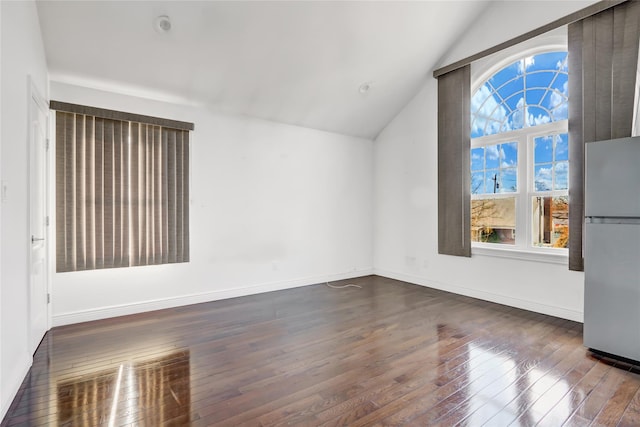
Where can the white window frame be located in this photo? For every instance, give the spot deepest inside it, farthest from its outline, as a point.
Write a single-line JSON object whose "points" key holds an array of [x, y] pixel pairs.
{"points": [[523, 247]]}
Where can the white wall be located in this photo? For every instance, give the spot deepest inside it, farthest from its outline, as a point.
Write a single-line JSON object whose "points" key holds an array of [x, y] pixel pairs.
{"points": [[22, 55], [503, 20], [406, 179], [273, 206]]}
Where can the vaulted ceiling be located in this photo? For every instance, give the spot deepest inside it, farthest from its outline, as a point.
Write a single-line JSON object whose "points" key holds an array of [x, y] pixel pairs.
{"points": [[301, 62]]}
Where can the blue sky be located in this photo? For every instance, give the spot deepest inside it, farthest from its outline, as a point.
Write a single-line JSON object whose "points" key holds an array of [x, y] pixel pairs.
{"points": [[530, 91]]}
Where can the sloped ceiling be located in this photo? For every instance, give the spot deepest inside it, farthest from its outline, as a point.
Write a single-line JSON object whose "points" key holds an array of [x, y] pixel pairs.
{"points": [[300, 63]]}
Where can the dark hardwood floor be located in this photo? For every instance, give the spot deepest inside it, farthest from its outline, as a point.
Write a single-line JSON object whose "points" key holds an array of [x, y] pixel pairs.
{"points": [[389, 353]]}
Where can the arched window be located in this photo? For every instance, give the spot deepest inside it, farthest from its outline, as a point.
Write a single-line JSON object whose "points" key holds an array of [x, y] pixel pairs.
{"points": [[519, 154]]}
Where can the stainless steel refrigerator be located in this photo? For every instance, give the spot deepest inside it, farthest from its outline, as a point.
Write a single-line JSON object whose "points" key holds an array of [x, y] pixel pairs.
{"points": [[612, 247]]}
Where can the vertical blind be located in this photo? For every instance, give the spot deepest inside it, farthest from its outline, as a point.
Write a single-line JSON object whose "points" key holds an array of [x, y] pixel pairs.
{"points": [[122, 193], [603, 50], [454, 199]]}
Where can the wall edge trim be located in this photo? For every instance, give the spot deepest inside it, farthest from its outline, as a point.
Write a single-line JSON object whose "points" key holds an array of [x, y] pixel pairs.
{"points": [[550, 310], [16, 383], [197, 298]]}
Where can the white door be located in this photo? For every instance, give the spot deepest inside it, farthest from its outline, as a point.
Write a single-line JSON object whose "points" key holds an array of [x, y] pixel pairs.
{"points": [[39, 288]]}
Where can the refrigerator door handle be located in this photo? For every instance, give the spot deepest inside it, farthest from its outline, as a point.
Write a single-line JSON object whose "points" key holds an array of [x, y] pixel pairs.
{"points": [[611, 220]]}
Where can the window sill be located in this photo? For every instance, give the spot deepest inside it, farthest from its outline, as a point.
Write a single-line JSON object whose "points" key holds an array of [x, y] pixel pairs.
{"points": [[550, 256]]}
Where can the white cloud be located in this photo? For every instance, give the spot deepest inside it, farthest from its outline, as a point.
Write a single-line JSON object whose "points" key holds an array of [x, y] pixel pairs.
{"points": [[517, 118], [483, 106], [538, 120], [492, 152], [562, 167], [543, 179], [525, 63], [508, 164], [561, 149], [558, 102], [562, 175]]}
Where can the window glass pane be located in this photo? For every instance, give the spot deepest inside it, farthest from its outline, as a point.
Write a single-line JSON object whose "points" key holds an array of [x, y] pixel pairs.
{"points": [[539, 79], [551, 165], [550, 61], [537, 116], [543, 149], [492, 181], [562, 147], [557, 97], [507, 73], [509, 154], [487, 113], [492, 153], [477, 159], [498, 114], [504, 127], [560, 89], [514, 102], [561, 176], [480, 101], [534, 96], [550, 222], [507, 88], [561, 112], [494, 169], [494, 220], [477, 183], [516, 119], [508, 181], [543, 177]]}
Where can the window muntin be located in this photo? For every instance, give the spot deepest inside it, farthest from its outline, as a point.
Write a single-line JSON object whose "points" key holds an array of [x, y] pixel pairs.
{"points": [[519, 155]]}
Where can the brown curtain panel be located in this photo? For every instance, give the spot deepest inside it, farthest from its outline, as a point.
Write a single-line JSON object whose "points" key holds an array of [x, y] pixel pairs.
{"points": [[454, 210], [122, 193], [603, 58]]}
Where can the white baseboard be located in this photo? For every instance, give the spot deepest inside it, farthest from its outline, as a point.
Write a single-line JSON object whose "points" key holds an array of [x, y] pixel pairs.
{"points": [[158, 304], [537, 307], [17, 376]]}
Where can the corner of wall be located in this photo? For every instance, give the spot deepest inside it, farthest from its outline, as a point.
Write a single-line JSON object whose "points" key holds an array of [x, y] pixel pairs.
{"points": [[22, 51]]}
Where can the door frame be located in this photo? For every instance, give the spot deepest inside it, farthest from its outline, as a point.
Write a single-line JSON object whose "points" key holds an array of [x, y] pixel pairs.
{"points": [[43, 105]]}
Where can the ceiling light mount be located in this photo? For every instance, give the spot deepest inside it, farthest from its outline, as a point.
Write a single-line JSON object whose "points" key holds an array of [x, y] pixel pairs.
{"points": [[365, 87], [162, 24]]}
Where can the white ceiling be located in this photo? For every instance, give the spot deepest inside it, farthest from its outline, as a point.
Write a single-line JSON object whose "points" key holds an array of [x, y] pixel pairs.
{"points": [[293, 62]]}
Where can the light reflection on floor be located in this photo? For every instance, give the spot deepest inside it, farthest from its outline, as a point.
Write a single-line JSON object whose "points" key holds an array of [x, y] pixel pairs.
{"points": [[499, 390], [156, 390]]}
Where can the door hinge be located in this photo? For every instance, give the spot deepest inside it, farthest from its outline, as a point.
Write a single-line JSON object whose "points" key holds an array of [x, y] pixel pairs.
{"points": [[48, 298], [47, 220], [47, 144]]}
